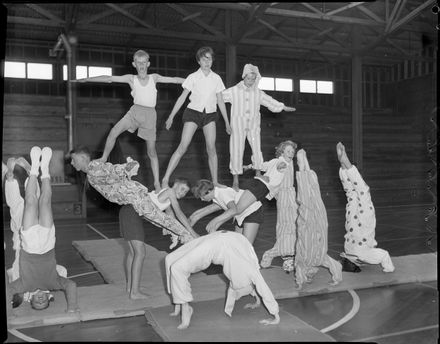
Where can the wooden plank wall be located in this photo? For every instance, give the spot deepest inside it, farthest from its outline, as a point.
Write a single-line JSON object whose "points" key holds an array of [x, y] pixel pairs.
{"points": [[396, 162]]}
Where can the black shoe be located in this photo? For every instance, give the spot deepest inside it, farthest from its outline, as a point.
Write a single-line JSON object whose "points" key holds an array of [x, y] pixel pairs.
{"points": [[349, 266]]}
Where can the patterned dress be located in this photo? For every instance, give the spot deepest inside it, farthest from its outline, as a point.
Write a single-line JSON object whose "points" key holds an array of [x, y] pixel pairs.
{"points": [[287, 212], [312, 244], [113, 181]]}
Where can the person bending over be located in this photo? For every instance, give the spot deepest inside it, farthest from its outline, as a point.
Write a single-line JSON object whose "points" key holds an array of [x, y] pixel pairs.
{"points": [[247, 222], [263, 186], [113, 181], [240, 265], [38, 273]]}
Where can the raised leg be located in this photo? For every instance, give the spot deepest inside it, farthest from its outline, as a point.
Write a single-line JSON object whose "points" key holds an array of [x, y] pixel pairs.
{"points": [[45, 201], [117, 130], [30, 213]]}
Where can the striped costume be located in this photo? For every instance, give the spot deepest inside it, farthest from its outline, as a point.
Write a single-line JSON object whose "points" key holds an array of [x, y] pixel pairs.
{"points": [[246, 120], [114, 183], [312, 244], [287, 212]]}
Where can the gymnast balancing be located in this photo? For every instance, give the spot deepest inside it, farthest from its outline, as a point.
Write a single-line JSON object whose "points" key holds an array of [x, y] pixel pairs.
{"points": [[38, 273], [287, 213], [247, 222], [113, 181], [246, 99], [266, 185], [360, 225], [205, 87], [240, 265], [312, 228], [142, 115], [16, 209]]}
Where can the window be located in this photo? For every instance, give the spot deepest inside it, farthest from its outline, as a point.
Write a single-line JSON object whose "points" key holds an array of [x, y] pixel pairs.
{"points": [[307, 86], [15, 69], [316, 86], [39, 71], [284, 84], [325, 87], [267, 84], [276, 84], [88, 71]]}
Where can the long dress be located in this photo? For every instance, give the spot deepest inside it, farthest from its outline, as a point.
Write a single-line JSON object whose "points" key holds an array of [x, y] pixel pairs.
{"points": [[312, 244], [113, 181]]}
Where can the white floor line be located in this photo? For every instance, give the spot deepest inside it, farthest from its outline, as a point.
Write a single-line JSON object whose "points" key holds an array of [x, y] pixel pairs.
{"points": [[106, 223], [369, 339], [349, 315], [22, 336], [428, 286], [94, 229], [84, 274]]}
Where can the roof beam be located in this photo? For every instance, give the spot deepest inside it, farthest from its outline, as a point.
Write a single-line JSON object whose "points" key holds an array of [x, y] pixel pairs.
{"points": [[292, 13], [103, 14], [129, 15], [326, 33], [343, 8], [410, 15], [312, 8], [370, 14], [254, 14], [393, 14], [274, 29], [198, 21], [45, 13]]}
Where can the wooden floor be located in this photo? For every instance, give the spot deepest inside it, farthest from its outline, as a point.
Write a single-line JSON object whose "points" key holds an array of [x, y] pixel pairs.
{"points": [[406, 313]]}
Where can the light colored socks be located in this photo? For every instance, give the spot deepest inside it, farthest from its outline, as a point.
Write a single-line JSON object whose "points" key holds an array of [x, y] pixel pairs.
{"points": [[35, 160], [46, 155]]}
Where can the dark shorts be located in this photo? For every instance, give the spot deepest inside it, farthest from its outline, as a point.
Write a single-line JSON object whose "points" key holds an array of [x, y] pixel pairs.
{"points": [[131, 224], [256, 217], [199, 118], [257, 187]]}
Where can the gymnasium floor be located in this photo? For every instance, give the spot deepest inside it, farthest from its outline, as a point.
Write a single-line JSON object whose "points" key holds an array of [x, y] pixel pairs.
{"points": [[405, 313]]}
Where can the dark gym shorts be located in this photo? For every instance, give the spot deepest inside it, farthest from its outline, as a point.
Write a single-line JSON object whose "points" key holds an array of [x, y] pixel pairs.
{"points": [[257, 187], [256, 217], [199, 118], [131, 224]]}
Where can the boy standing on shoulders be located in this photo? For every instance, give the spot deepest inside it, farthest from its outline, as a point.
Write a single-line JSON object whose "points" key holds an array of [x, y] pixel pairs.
{"points": [[246, 99], [142, 115], [205, 87]]}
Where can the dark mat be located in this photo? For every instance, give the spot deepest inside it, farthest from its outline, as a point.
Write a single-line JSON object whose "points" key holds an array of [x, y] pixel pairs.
{"points": [[209, 323]]}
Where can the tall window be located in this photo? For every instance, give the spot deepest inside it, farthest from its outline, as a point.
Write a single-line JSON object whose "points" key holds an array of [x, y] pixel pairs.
{"points": [[15, 69]]}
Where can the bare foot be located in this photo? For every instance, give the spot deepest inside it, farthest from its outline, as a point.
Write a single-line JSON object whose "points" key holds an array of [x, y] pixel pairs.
{"points": [[271, 321], [342, 156], [235, 186], [10, 165], [138, 296], [176, 311], [157, 187], [23, 163], [252, 305], [217, 184], [165, 184], [101, 159], [187, 312]]}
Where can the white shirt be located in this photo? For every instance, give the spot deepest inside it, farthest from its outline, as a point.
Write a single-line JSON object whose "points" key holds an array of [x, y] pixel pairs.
{"points": [[203, 90], [275, 170], [223, 196], [38, 239], [144, 95]]}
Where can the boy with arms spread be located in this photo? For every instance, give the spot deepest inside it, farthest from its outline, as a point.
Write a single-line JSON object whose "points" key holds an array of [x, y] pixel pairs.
{"points": [[142, 115], [205, 87]]}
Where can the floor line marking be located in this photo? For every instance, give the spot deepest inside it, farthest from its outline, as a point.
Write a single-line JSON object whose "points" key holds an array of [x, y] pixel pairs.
{"points": [[368, 339], [349, 315], [83, 274], [94, 229], [427, 285], [106, 223], [22, 336]]}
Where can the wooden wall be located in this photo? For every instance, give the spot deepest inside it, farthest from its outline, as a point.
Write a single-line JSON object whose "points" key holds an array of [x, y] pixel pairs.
{"points": [[396, 162]]}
